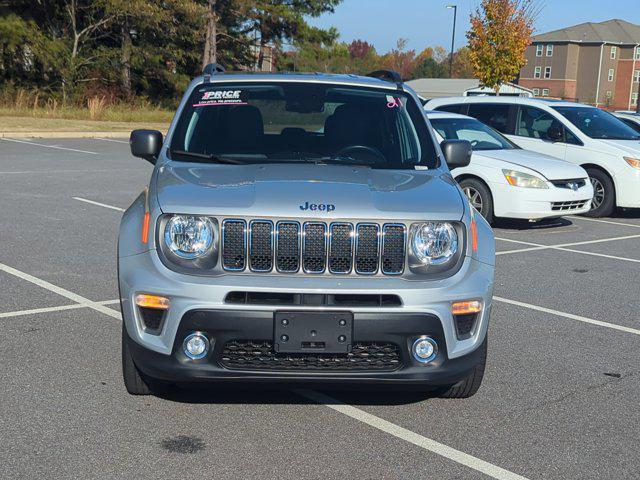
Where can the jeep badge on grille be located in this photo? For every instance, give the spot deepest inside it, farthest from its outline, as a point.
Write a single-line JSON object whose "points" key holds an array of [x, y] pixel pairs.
{"points": [[321, 207]]}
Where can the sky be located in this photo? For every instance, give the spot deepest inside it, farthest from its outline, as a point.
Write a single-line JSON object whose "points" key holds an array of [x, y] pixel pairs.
{"points": [[429, 23]]}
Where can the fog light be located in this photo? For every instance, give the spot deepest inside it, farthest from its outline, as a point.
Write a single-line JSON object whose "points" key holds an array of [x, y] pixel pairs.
{"points": [[425, 349], [196, 345]]}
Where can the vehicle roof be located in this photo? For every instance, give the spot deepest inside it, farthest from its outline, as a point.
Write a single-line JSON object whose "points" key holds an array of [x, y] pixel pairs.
{"points": [[510, 100], [342, 79]]}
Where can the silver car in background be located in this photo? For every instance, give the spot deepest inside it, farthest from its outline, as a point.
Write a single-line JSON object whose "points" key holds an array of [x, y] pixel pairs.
{"points": [[303, 228]]}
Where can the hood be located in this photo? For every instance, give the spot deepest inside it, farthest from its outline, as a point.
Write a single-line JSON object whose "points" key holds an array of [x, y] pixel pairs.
{"points": [[626, 147], [307, 191], [549, 167]]}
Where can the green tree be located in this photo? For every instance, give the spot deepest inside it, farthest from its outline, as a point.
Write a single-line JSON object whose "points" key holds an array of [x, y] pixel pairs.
{"points": [[277, 21], [429, 68], [499, 35]]}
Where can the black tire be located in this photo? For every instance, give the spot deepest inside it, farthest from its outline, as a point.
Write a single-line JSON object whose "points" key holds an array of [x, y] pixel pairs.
{"points": [[134, 381], [469, 386], [604, 194], [475, 190]]}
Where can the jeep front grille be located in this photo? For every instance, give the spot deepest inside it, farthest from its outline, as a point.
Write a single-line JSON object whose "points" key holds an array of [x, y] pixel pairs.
{"points": [[288, 246]]}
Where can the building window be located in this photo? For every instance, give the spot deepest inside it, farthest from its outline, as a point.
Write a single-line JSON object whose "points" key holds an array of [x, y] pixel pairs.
{"points": [[636, 76], [545, 92], [539, 49], [611, 74], [614, 52], [536, 92], [537, 72], [634, 99], [549, 50], [608, 94], [547, 72], [637, 53]]}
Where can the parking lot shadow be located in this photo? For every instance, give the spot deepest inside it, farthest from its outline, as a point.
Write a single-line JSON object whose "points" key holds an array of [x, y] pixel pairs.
{"points": [[515, 224], [257, 393]]}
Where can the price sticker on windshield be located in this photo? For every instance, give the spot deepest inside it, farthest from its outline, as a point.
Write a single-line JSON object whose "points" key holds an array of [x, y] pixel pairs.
{"points": [[221, 97]]}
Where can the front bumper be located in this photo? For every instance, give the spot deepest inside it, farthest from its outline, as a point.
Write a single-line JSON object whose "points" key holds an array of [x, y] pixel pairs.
{"points": [[223, 326], [425, 310], [536, 204]]}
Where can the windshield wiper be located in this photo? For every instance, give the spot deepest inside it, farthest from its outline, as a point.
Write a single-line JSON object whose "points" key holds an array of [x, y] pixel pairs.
{"points": [[210, 157]]}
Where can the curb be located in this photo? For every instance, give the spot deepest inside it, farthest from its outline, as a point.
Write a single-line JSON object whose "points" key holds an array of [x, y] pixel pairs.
{"points": [[122, 134]]}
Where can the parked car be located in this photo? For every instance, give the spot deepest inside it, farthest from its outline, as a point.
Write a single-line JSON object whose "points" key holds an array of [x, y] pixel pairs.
{"points": [[607, 148], [303, 228], [629, 117], [504, 180]]}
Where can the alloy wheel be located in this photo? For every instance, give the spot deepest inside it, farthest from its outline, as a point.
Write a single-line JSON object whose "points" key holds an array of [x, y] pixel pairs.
{"points": [[474, 197], [598, 193]]}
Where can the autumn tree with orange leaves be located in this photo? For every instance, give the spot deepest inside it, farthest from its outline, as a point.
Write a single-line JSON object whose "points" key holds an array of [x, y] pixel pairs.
{"points": [[499, 35]]}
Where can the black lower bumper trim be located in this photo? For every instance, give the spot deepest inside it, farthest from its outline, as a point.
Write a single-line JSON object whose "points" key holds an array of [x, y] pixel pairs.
{"points": [[224, 326]]}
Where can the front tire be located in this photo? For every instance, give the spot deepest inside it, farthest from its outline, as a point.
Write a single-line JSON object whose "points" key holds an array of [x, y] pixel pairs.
{"points": [[604, 194], [480, 197], [134, 381], [469, 386]]}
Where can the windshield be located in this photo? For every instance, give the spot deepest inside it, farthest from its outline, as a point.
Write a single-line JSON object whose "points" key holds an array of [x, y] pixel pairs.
{"points": [[480, 135], [302, 122], [598, 124]]}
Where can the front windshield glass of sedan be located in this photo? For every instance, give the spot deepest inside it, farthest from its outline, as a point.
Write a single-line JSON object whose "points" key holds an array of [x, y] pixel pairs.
{"points": [[481, 136], [298, 122], [598, 124]]}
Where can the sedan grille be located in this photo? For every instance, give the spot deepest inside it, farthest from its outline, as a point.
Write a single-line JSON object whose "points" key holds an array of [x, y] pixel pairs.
{"points": [[568, 206], [338, 248]]}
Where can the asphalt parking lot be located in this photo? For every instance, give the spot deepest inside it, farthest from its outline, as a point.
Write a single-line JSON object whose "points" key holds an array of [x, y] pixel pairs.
{"points": [[559, 399]]}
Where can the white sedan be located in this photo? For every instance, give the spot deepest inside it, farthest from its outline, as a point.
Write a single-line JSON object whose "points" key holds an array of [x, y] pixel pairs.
{"points": [[503, 180]]}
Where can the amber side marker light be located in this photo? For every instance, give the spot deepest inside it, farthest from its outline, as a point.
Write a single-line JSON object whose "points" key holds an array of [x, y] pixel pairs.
{"points": [[467, 307], [152, 301], [145, 227], [474, 236]]}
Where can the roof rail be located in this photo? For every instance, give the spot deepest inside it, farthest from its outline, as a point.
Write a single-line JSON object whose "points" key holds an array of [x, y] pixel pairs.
{"points": [[387, 76], [212, 69]]}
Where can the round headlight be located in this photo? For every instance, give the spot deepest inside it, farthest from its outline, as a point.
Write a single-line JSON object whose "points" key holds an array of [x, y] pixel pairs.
{"points": [[434, 243], [189, 237]]}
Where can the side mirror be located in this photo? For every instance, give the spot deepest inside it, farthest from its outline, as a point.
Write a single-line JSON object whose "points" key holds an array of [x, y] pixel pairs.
{"points": [[146, 144], [457, 153], [555, 133]]}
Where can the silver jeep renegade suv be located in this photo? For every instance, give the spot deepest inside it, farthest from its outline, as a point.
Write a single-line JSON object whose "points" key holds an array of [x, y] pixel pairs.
{"points": [[303, 228]]}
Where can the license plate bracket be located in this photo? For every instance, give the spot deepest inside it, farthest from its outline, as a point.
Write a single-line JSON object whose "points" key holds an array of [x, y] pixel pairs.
{"points": [[312, 332]]}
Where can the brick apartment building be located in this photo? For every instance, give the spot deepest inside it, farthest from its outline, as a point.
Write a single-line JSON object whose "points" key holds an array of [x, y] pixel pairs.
{"points": [[595, 63]]}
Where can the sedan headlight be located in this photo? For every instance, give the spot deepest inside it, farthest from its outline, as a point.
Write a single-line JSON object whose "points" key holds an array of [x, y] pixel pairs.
{"points": [[525, 180], [189, 237], [634, 162], [434, 243]]}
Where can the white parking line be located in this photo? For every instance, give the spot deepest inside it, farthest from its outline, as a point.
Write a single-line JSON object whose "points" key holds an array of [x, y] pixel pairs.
{"points": [[61, 291], [411, 437], [92, 202], [48, 146], [605, 221], [579, 318], [112, 140], [19, 313], [562, 247]]}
